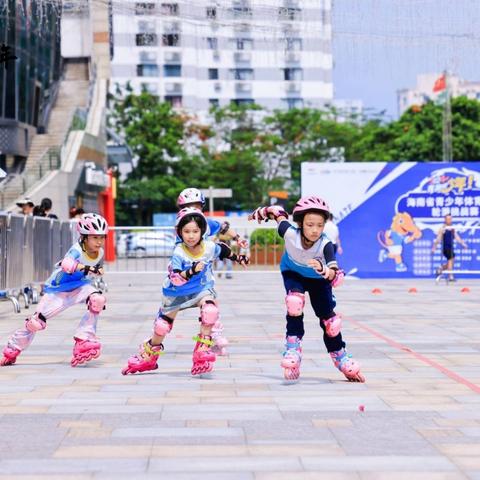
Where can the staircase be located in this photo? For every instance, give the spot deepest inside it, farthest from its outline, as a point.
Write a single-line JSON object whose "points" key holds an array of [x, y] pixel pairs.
{"points": [[44, 153]]}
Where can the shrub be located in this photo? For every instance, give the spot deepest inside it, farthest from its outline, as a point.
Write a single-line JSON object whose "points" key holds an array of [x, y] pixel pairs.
{"points": [[265, 236]]}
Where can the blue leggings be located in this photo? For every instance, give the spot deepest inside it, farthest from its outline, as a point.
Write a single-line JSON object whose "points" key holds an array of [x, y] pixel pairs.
{"points": [[323, 303]]}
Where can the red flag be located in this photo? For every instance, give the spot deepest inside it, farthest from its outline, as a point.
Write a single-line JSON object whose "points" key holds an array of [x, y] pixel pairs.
{"points": [[440, 84]]}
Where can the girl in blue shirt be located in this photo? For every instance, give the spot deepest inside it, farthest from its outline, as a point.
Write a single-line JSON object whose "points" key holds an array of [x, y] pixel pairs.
{"points": [[309, 265], [189, 283]]}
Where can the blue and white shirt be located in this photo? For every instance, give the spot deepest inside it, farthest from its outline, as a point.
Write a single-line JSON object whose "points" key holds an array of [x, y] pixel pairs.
{"points": [[61, 281], [213, 227], [182, 259], [295, 258]]}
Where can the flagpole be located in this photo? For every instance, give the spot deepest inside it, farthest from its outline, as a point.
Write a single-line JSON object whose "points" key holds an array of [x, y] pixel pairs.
{"points": [[447, 153]]}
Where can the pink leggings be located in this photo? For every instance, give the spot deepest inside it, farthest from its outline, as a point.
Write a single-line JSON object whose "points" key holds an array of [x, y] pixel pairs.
{"points": [[51, 305]]}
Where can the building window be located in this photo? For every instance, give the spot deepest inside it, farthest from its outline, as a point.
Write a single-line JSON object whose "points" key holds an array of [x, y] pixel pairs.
{"points": [[212, 13], [151, 88], [212, 43], [172, 70], [243, 101], [213, 73], [214, 102], [147, 70], [242, 12], [146, 27], [242, 73], [292, 74], [146, 39], [174, 100], [169, 9], [144, 8], [171, 40], [289, 13], [244, 44], [293, 102], [293, 43]]}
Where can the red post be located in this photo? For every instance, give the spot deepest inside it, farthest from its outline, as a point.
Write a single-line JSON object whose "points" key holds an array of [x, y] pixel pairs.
{"points": [[108, 199]]}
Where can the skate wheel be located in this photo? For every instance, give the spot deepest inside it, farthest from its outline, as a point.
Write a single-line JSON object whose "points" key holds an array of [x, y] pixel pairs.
{"points": [[126, 371], [203, 368], [358, 378], [291, 373]]}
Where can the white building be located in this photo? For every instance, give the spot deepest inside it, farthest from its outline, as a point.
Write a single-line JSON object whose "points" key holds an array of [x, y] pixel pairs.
{"points": [[199, 53], [423, 92]]}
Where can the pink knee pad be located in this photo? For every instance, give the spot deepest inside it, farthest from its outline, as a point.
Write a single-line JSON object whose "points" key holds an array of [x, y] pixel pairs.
{"points": [[96, 302], [333, 325], [295, 302], [162, 327], [209, 314], [36, 323]]}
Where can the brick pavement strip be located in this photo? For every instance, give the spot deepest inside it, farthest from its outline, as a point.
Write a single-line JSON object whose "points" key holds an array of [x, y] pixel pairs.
{"points": [[243, 422]]}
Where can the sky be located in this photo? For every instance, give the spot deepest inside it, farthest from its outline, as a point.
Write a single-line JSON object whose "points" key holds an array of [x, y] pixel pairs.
{"points": [[380, 46]]}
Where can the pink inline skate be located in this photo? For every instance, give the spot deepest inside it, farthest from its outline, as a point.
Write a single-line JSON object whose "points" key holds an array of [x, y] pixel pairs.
{"points": [[292, 358], [10, 355], [220, 342], [145, 360], [349, 367], [84, 351], [203, 357]]}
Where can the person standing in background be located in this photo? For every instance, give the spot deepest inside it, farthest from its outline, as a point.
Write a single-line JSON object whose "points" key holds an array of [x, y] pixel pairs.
{"points": [[332, 232]]}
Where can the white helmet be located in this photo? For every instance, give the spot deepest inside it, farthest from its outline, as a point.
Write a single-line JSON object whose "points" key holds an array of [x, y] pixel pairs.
{"points": [[92, 224], [190, 195]]}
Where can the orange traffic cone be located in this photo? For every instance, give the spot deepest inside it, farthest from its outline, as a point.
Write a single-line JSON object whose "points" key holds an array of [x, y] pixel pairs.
{"points": [[412, 290], [465, 290], [376, 291]]}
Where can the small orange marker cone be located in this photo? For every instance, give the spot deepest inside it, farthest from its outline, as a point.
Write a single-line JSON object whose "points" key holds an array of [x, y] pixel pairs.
{"points": [[376, 291], [412, 290], [465, 290]]}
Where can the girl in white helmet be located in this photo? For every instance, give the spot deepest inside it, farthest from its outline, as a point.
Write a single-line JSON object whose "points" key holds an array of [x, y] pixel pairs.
{"points": [[189, 283], [309, 265], [193, 197], [69, 284]]}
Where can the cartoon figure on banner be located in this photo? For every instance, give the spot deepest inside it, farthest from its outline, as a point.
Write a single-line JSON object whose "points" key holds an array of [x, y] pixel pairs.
{"points": [[402, 230]]}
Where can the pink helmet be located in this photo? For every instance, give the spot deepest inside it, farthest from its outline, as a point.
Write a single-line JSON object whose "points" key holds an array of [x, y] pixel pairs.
{"points": [[309, 204], [92, 224], [186, 215], [190, 195]]}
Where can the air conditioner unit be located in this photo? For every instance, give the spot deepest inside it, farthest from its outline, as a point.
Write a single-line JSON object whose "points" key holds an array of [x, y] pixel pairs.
{"points": [[173, 57], [173, 88], [243, 87], [146, 27], [217, 86], [216, 54], [148, 57], [292, 57], [242, 56], [242, 27], [293, 87]]}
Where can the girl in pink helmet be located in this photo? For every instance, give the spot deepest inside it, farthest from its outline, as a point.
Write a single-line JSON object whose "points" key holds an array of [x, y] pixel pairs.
{"points": [[189, 283], [69, 284], [309, 265]]}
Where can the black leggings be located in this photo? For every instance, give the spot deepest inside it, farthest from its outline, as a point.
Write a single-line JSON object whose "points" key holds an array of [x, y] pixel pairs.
{"points": [[323, 303]]}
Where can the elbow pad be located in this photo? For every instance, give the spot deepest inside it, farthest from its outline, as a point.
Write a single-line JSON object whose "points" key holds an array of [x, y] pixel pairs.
{"points": [[69, 265]]}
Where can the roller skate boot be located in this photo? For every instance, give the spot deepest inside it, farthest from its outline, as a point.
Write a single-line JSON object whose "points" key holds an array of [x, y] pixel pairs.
{"points": [[84, 351], [349, 367], [10, 355], [203, 357], [220, 342], [292, 358], [145, 360]]}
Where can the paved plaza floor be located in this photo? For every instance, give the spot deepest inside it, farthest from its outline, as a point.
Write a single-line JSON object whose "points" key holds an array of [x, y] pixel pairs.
{"points": [[421, 418]]}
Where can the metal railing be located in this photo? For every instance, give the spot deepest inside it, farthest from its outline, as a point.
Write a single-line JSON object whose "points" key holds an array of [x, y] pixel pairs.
{"points": [[29, 247], [149, 249]]}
